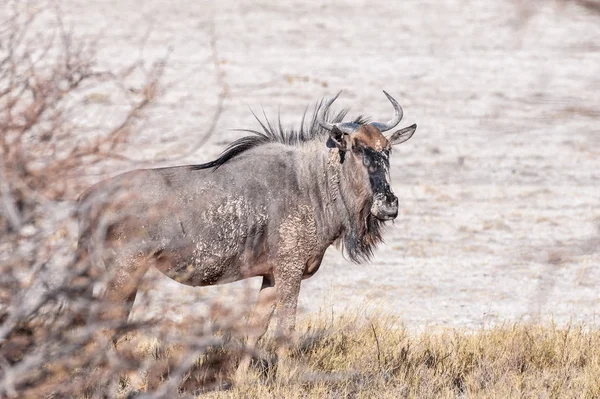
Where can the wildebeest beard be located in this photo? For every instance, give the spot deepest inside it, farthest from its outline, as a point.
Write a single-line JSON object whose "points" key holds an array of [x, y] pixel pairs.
{"points": [[362, 237]]}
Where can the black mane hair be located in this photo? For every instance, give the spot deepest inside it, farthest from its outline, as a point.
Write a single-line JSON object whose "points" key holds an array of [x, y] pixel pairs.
{"points": [[278, 134]]}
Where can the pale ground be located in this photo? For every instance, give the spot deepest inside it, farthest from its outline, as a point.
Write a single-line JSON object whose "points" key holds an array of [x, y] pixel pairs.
{"points": [[499, 187]]}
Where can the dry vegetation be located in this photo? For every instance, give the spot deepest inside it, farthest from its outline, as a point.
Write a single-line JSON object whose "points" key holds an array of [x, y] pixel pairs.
{"points": [[53, 340], [50, 337], [53, 344], [358, 357]]}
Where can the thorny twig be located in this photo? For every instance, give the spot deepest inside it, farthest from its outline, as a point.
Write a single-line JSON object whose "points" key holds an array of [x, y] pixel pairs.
{"points": [[10, 208]]}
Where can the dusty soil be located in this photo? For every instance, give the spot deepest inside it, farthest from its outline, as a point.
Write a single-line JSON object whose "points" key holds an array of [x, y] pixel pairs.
{"points": [[499, 187]]}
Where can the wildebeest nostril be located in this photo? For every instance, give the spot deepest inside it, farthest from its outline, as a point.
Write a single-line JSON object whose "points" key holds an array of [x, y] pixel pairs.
{"points": [[390, 212]]}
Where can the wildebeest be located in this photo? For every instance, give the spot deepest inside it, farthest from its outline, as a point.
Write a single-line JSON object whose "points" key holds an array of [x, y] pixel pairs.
{"points": [[269, 206]]}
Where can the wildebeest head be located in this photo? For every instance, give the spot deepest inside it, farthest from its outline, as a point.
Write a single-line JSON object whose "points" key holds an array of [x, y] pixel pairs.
{"points": [[365, 152]]}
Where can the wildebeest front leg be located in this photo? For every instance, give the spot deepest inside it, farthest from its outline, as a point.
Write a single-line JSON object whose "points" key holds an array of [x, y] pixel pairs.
{"points": [[258, 323], [287, 285]]}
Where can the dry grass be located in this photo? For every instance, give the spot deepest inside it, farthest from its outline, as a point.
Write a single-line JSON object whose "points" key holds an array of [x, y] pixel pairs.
{"points": [[358, 357]]}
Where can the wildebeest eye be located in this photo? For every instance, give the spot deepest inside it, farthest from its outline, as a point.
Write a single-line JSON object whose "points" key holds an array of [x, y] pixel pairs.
{"points": [[366, 160]]}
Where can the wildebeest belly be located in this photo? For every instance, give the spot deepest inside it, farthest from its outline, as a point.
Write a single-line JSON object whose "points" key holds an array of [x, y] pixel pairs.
{"points": [[200, 236], [212, 259], [200, 271]]}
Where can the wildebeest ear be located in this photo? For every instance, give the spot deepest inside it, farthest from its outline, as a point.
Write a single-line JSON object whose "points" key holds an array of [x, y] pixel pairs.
{"points": [[337, 139], [402, 135]]}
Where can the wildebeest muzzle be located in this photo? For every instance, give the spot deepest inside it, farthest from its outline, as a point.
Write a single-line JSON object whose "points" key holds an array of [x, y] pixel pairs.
{"points": [[385, 206]]}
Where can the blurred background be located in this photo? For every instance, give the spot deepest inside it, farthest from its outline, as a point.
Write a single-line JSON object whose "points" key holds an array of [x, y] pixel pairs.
{"points": [[500, 203]]}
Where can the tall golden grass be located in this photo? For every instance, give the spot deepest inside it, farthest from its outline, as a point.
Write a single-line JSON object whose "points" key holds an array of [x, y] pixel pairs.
{"points": [[353, 356]]}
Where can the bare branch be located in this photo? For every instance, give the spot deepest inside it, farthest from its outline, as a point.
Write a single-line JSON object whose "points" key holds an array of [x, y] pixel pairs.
{"points": [[10, 208]]}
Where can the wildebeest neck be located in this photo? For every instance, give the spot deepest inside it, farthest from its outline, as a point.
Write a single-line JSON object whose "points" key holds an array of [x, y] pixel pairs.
{"points": [[342, 205]]}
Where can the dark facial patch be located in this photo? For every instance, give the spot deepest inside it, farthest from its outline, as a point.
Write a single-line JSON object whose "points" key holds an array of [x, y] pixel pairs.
{"points": [[374, 149], [377, 164], [374, 160]]}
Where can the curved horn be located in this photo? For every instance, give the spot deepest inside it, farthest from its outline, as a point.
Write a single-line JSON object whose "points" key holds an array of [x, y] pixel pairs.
{"points": [[395, 120], [344, 127]]}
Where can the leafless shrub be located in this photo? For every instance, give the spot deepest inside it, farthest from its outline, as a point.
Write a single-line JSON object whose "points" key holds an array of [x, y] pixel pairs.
{"points": [[51, 340]]}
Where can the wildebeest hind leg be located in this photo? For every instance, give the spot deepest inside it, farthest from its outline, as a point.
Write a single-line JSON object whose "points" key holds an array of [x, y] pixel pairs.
{"points": [[258, 323], [121, 291]]}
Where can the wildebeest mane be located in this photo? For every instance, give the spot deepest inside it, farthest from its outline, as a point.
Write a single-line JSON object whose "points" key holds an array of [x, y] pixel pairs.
{"points": [[361, 234], [278, 134]]}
